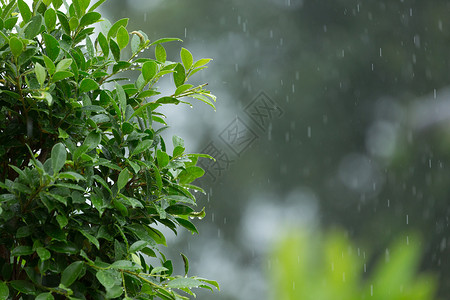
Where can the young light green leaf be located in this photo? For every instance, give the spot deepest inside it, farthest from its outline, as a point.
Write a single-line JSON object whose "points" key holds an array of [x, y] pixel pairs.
{"points": [[122, 37], [16, 46], [123, 178], [61, 75], [87, 85], [40, 74], [201, 62], [4, 291], [115, 27], [97, 4], [25, 11], [71, 273], [186, 58], [50, 19], [158, 270], [49, 65], [149, 70], [183, 282], [44, 296], [103, 44], [63, 65], [160, 53], [59, 156]]}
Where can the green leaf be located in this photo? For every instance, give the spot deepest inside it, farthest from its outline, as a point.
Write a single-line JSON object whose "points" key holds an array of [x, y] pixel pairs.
{"points": [[142, 146], [149, 70], [23, 286], [91, 238], [49, 65], [24, 11], [63, 65], [186, 58], [33, 28], [87, 85], [61, 75], [4, 291], [44, 296], [115, 50], [108, 278], [160, 53], [59, 156], [90, 18], [124, 176], [179, 75], [62, 221], [190, 174], [52, 47], [43, 253], [22, 250], [50, 19], [122, 37], [71, 273], [183, 282], [121, 97], [40, 73], [138, 246], [63, 247], [186, 263], [97, 4], [114, 292], [201, 62], [103, 44], [125, 265], [115, 27], [165, 40], [71, 175], [158, 270], [211, 282], [16, 46], [187, 224], [163, 158]]}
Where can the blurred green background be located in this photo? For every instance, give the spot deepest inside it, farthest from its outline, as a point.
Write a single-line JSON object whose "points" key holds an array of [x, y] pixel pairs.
{"points": [[329, 114]]}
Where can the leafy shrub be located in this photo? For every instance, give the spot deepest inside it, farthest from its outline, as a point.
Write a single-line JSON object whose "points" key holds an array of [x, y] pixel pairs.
{"points": [[84, 172], [307, 266]]}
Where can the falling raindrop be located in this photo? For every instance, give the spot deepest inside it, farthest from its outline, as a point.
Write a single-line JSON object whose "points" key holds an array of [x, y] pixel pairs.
{"points": [[372, 67], [271, 33], [269, 132], [434, 93], [281, 41], [236, 67], [387, 255], [440, 25], [407, 240], [371, 290], [293, 88], [410, 12], [324, 28], [185, 32], [388, 203], [407, 219], [212, 217], [365, 268], [381, 53], [309, 131]]}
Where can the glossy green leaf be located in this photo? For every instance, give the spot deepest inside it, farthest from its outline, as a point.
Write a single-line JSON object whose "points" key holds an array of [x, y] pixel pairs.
{"points": [[71, 273], [49, 65], [163, 158], [40, 73], [71, 175], [25, 11], [50, 19], [90, 18], [59, 156], [160, 53], [63, 65], [121, 97], [91, 238], [187, 224], [44, 296], [23, 286], [108, 278], [4, 291], [124, 176], [142, 146], [16, 46], [52, 47], [62, 221], [115, 27], [22, 250], [201, 62], [165, 40], [138, 246], [10, 22], [97, 4], [114, 292], [61, 75], [149, 70], [186, 58], [125, 265], [104, 45], [87, 85], [186, 263], [33, 28], [43, 253], [179, 75], [183, 282], [122, 37]]}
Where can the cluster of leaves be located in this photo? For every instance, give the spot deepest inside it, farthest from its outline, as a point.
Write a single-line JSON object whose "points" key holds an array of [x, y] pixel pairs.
{"points": [[84, 171], [331, 267]]}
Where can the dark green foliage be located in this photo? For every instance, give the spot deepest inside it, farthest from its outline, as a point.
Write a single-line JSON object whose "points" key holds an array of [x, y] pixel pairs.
{"points": [[84, 172]]}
